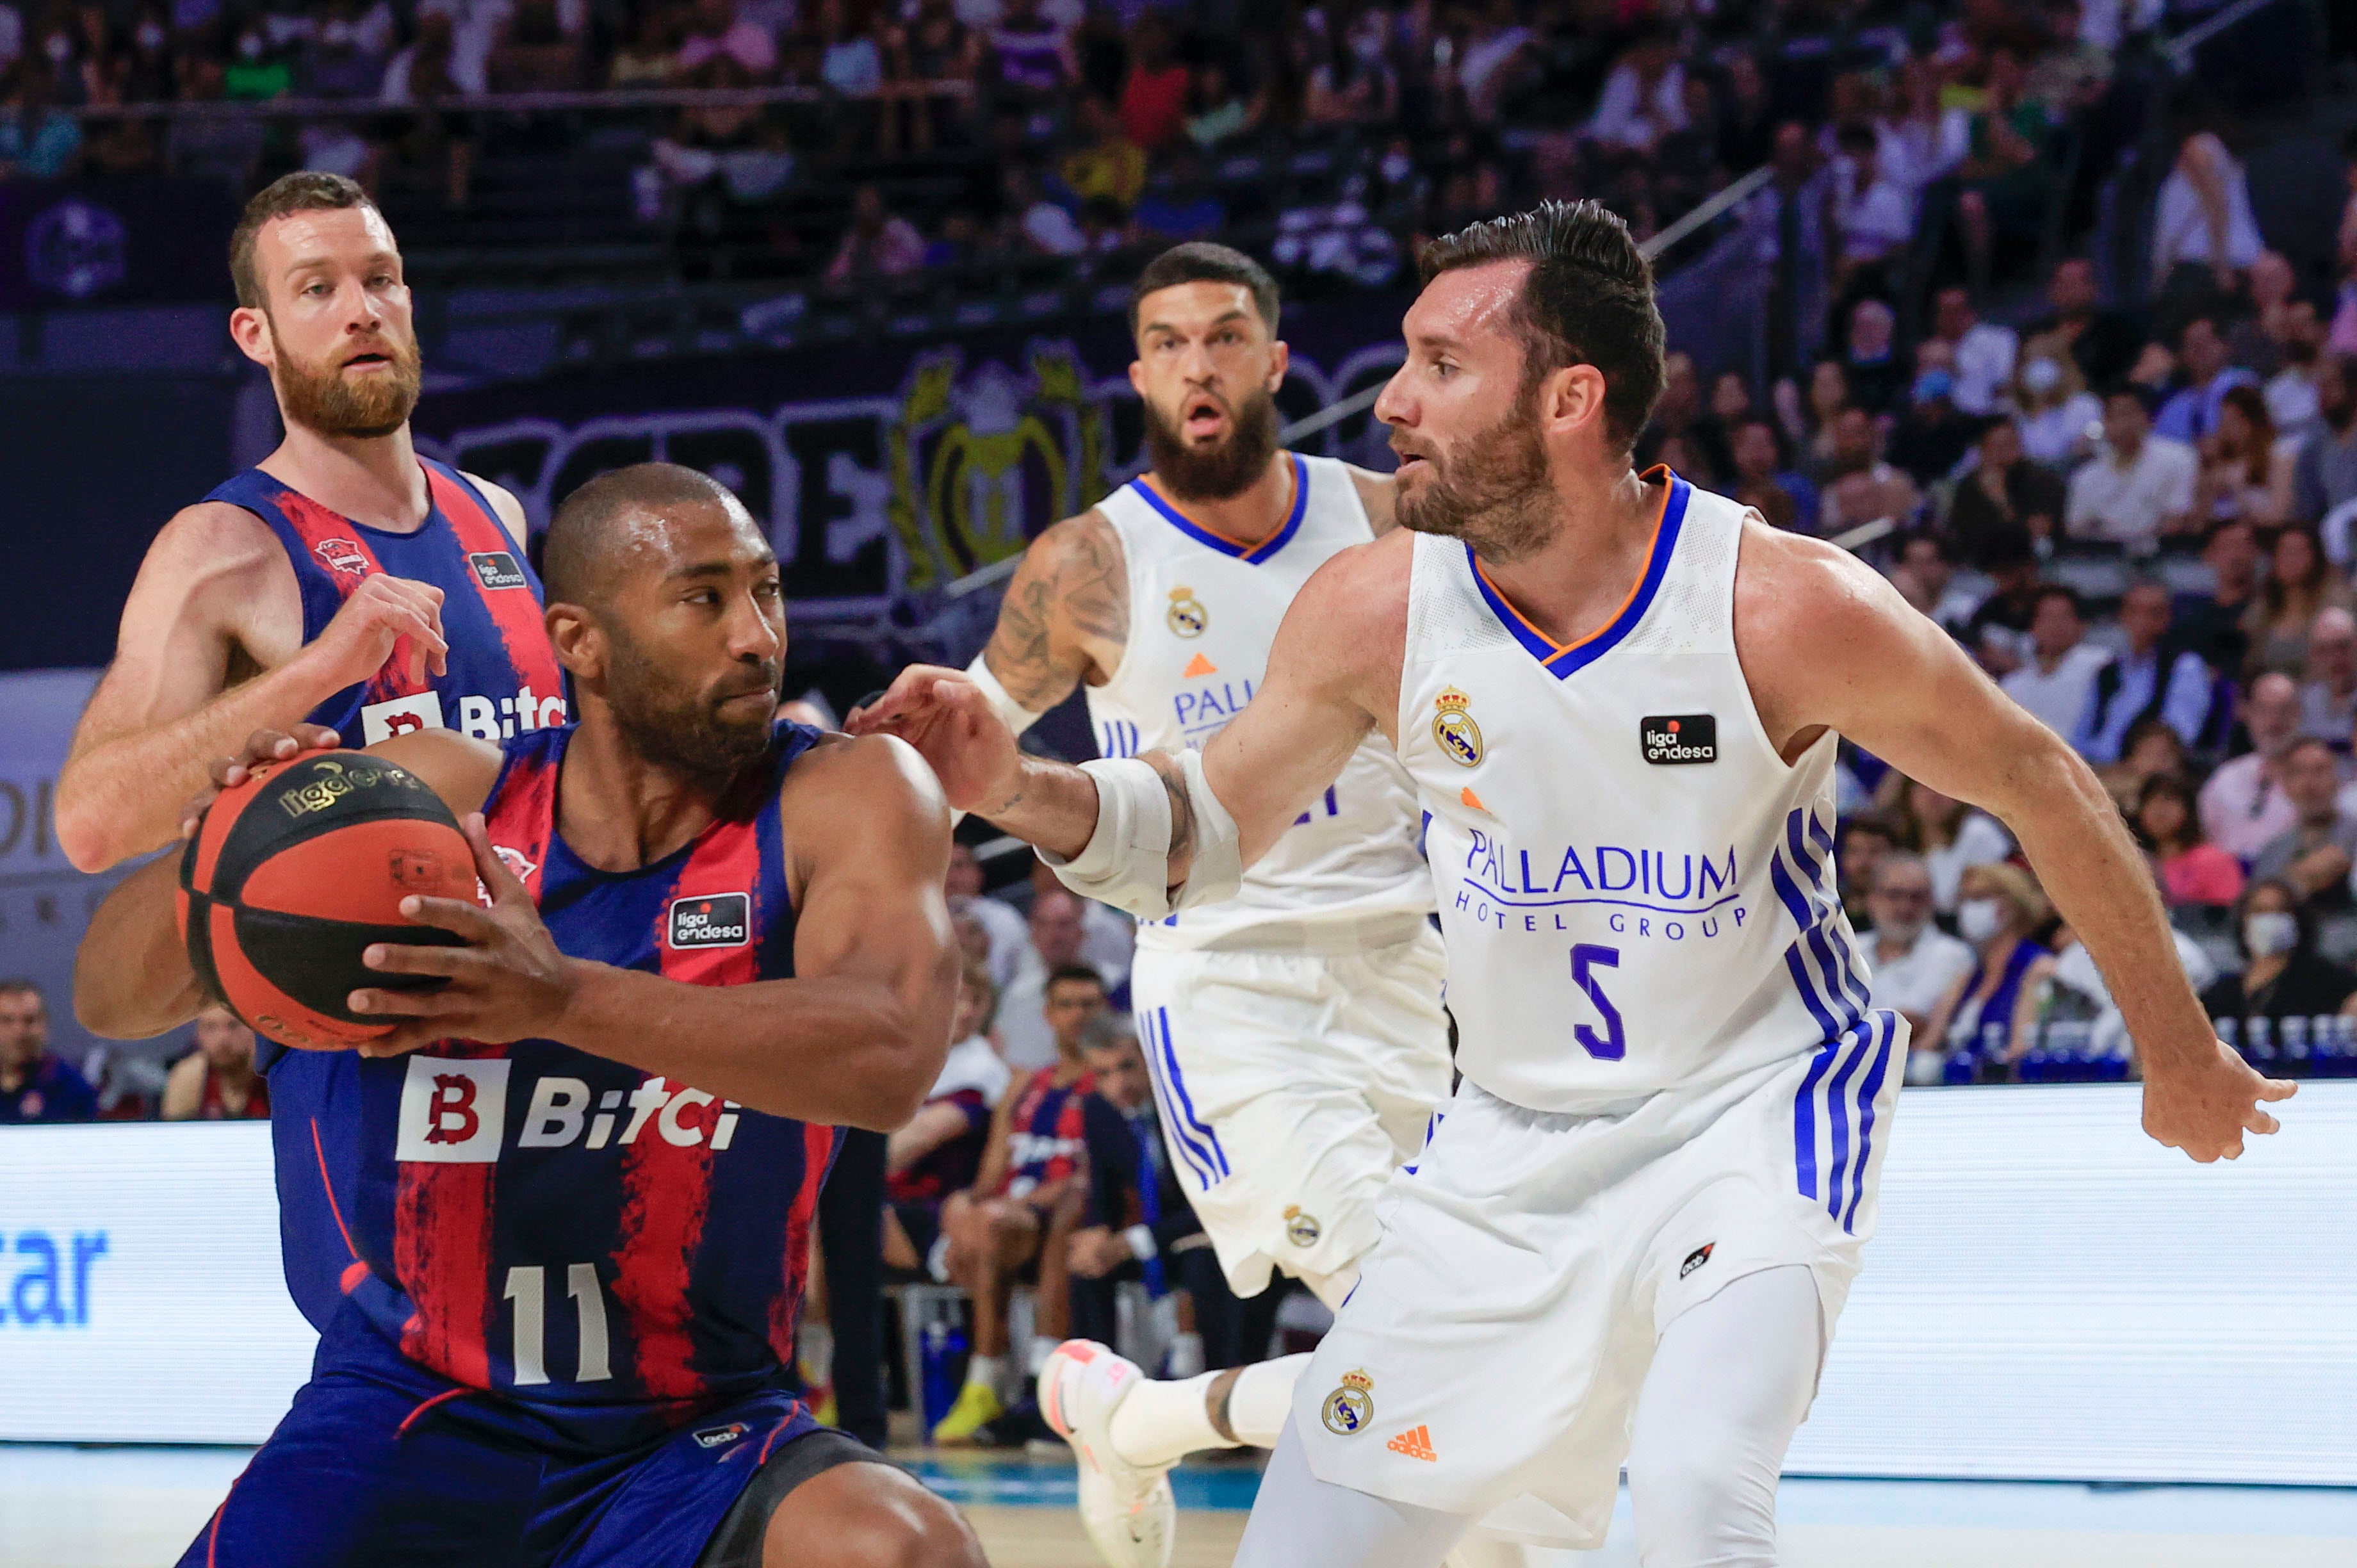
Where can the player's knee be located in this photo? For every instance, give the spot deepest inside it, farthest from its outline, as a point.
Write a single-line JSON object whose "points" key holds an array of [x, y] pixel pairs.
{"points": [[922, 1532], [1700, 1504]]}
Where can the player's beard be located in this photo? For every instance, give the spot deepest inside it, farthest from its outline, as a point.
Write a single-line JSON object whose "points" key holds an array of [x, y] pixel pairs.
{"points": [[667, 722], [1493, 494], [1225, 469], [320, 398]]}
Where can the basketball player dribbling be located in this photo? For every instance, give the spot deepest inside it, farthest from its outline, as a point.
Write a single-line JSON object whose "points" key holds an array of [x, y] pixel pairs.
{"points": [[344, 589], [570, 1195], [1619, 698], [1294, 1033]]}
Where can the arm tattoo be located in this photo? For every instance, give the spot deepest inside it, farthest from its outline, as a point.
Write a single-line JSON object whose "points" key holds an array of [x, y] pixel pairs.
{"points": [[1182, 806], [1074, 586]]}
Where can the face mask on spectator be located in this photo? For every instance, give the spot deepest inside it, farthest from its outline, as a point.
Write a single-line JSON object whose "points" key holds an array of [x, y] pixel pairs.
{"points": [[1979, 919], [151, 37], [59, 48], [2040, 377], [2271, 933]]}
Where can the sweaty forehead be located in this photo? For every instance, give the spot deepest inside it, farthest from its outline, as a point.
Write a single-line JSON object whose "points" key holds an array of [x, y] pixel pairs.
{"points": [[657, 540], [326, 232], [1465, 305], [1194, 306]]}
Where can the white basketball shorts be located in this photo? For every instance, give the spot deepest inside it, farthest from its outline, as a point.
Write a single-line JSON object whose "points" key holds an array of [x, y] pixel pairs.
{"points": [[1494, 1349], [1290, 1086]]}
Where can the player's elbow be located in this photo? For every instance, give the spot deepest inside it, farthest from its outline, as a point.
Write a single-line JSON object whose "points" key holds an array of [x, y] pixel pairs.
{"points": [[83, 832], [112, 1009]]}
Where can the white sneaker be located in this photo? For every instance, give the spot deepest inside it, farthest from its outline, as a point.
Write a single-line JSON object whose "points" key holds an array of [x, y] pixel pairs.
{"points": [[1127, 1508]]}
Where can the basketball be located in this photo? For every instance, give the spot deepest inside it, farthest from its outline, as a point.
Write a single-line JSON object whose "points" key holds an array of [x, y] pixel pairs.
{"points": [[292, 874]]}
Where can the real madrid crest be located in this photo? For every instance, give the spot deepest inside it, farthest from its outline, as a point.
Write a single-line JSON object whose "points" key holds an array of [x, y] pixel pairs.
{"points": [[1349, 1408], [1300, 1229], [1454, 729], [1186, 616]]}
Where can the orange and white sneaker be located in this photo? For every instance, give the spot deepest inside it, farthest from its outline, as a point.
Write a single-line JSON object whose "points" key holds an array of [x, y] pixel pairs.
{"points": [[1127, 1508]]}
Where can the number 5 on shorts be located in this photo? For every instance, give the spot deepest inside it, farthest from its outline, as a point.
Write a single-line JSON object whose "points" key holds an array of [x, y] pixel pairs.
{"points": [[1614, 1045]]}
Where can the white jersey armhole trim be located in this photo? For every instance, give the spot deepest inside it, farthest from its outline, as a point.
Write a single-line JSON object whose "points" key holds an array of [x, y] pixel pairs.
{"points": [[1735, 651]]}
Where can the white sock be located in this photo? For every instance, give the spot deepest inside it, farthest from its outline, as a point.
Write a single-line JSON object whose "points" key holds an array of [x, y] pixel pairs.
{"points": [[1041, 1348], [1186, 1355], [1162, 1422], [1263, 1398], [983, 1370]]}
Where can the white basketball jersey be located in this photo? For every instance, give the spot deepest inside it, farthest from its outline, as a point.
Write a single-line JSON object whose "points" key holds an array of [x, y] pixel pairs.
{"points": [[1636, 890], [1202, 613]]}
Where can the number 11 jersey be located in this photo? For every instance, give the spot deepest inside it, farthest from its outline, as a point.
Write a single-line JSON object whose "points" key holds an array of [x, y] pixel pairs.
{"points": [[1636, 889]]}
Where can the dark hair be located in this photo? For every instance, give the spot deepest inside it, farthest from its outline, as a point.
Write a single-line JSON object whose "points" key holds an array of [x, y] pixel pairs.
{"points": [[1874, 819], [18, 986], [576, 547], [2142, 395], [2063, 591], [305, 190], [2252, 405], [1587, 299], [2199, 318], [2299, 913], [1942, 547], [2176, 789], [1077, 972], [1200, 261], [1856, 138]]}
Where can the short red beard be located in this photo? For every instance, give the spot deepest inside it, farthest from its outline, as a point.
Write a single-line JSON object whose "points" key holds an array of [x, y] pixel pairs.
{"points": [[319, 399]]}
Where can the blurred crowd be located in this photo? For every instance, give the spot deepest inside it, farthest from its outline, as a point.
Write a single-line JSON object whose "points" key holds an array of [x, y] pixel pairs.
{"points": [[954, 131]]}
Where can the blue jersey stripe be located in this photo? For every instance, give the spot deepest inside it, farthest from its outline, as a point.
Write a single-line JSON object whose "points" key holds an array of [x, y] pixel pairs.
{"points": [[1838, 1116], [1158, 1057], [1804, 1121], [1868, 1090], [1179, 1084]]}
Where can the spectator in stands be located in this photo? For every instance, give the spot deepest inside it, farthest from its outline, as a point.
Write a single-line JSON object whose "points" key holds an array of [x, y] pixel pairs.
{"points": [[1180, 205], [2316, 853], [1353, 82], [2057, 416], [216, 1081], [1154, 97], [2285, 976], [2138, 489], [2151, 749], [878, 244], [2204, 231], [2192, 872], [2004, 504], [1037, 1007], [1644, 95], [1218, 110], [1934, 434], [1998, 631], [940, 1150], [2101, 343], [37, 139], [2328, 699], [715, 31], [2006, 187], [1026, 1200], [1809, 424], [1760, 481], [2299, 583], [1137, 1224], [534, 54], [2243, 806], [1860, 840], [1950, 836], [1039, 225], [2152, 676], [851, 60], [1981, 352], [2246, 468], [2257, 342], [1031, 59], [1871, 210], [2057, 683], [1925, 577], [2324, 479], [650, 57], [1009, 937], [338, 59], [1914, 963], [1864, 487], [2191, 414], [1871, 359], [147, 72], [35, 1085], [2291, 392], [1992, 1009], [433, 150], [2211, 624]]}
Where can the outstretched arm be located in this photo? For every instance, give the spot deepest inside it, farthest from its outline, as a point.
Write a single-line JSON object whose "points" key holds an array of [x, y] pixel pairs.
{"points": [[1336, 655], [1827, 644], [854, 1039]]}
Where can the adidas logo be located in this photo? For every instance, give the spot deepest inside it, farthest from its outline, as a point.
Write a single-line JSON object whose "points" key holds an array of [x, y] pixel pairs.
{"points": [[1416, 1442]]}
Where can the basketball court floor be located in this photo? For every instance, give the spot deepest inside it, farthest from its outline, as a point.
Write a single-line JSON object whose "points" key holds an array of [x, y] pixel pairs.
{"points": [[139, 1506]]}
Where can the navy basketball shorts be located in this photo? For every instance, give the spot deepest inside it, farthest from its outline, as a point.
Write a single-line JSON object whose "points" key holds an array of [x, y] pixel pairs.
{"points": [[378, 1465]]}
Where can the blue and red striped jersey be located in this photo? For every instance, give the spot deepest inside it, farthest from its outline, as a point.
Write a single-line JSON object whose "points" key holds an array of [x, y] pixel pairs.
{"points": [[1046, 1133], [503, 678], [557, 1228]]}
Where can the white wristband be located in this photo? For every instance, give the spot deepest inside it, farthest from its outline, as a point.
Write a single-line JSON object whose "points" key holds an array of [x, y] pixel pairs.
{"points": [[1127, 861], [1141, 1242], [1012, 714]]}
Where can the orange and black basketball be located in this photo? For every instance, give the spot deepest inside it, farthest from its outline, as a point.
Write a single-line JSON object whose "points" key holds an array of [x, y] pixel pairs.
{"points": [[292, 874]]}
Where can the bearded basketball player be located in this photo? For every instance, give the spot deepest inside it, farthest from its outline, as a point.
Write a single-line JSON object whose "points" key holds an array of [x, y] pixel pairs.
{"points": [[570, 1195], [1619, 699], [345, 583], [1294, 1033]]}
